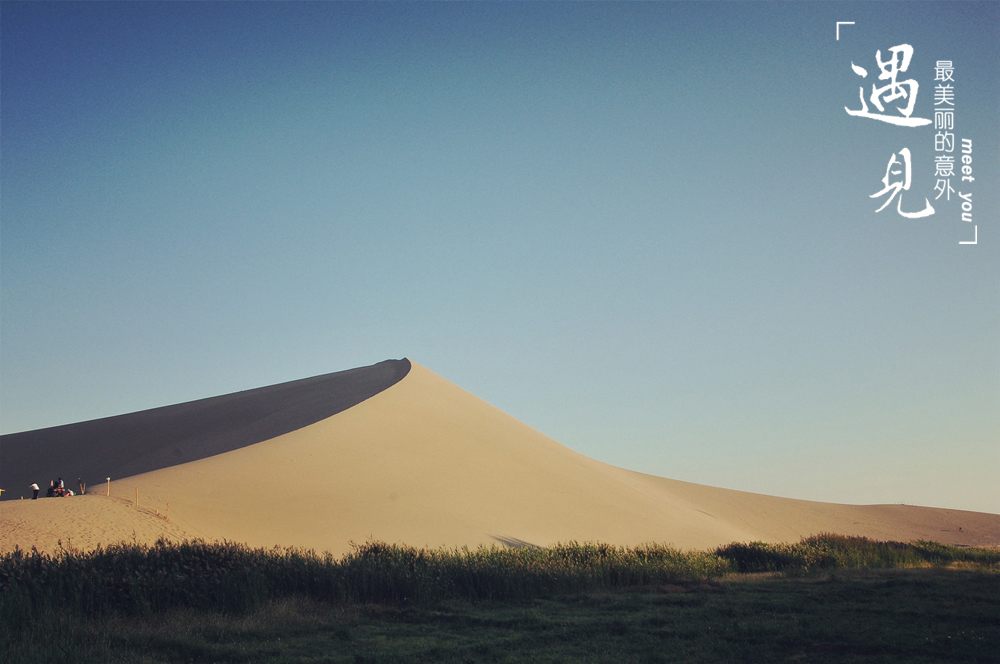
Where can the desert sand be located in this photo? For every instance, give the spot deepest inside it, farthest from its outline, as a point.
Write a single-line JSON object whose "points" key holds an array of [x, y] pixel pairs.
{"points": [[424, 462], [127, 445]]}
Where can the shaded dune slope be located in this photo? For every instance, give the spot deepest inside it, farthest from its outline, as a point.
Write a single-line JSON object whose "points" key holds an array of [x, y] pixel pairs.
{"points": [[135, 443]]}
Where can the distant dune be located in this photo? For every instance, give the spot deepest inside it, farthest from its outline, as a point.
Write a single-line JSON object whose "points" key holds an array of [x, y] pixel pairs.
{"points": [[391, 452]]}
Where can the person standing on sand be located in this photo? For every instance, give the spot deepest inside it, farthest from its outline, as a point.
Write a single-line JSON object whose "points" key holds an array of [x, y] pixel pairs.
{"points": [[34, 488]]}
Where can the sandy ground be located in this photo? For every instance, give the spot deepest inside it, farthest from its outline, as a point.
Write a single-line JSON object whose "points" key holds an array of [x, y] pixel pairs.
{"points": [[81, 523], [426, 463]]}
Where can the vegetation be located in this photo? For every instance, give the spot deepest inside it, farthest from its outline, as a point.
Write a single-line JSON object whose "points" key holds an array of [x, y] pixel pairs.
{"points": [[235, 578], [828, 552], [227, 602]]}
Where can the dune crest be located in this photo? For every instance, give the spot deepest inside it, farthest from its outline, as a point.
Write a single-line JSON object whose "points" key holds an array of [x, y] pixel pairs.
{"points": [[426, 463], [126, 445]]}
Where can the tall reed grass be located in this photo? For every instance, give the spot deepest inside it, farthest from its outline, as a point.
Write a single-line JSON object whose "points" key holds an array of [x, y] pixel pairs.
{"points": [[828, 551], [234, 578]]}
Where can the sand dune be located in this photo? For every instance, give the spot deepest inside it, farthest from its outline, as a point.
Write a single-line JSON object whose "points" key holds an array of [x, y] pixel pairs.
{"points": [[426, 463], [127, 445]]}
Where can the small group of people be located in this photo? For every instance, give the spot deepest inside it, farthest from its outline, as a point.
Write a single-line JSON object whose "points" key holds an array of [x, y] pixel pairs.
{"points": [[57, 489]]}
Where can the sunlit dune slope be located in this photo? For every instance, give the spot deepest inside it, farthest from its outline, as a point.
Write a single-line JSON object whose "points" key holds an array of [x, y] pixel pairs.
{"points": [[426, 463]]}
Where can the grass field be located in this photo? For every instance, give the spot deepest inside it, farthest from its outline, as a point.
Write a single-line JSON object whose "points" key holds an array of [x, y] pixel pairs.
{"points": [[829, 599]]}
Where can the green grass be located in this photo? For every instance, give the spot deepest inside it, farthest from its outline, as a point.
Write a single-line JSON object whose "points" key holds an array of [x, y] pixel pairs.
{"points": [[827, 598]]}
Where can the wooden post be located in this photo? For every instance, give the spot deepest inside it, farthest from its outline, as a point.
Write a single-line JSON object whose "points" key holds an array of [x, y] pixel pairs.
{"points": [[109, 487]]}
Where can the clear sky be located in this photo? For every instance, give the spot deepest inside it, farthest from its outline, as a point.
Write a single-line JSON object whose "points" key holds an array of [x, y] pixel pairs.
{"points": [[645, 229]]}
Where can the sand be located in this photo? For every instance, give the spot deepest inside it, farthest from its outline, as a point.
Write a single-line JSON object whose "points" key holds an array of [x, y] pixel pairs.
{"points": [[81, 523], [426, 463], [127, 445]]}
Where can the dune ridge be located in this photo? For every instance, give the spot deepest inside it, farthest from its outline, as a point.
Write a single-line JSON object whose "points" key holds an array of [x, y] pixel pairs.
{"points": [[126, 445], [426, 463]]}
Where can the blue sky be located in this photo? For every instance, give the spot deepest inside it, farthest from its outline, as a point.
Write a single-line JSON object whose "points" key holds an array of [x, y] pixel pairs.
{"points": [[644, 229]]}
